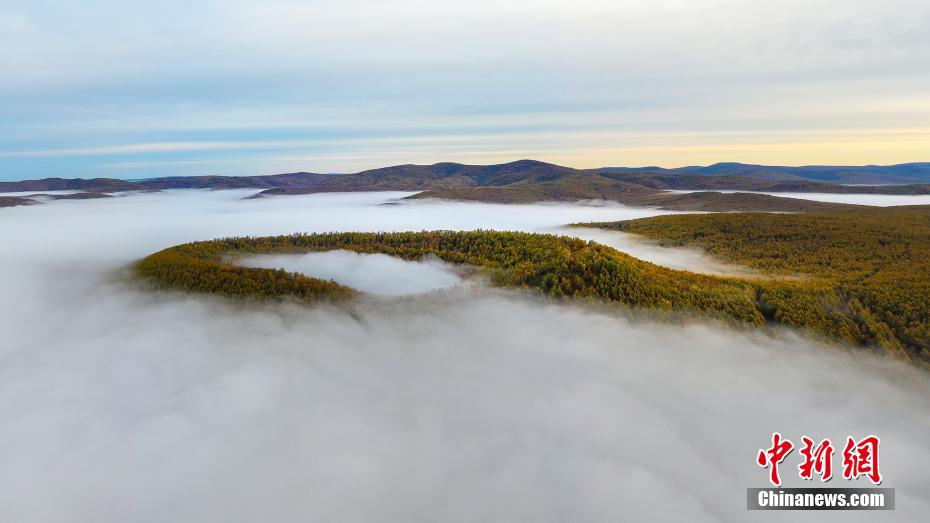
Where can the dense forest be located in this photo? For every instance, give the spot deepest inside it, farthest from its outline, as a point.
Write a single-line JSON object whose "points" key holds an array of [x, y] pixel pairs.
{"points": [[32, 199], [876, 260], [13, 201], [905, 173], [559, 267]]}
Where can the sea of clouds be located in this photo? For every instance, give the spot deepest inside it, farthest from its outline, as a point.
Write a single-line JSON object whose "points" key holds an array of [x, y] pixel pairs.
{"points": [[456, 405], [377, 274]]}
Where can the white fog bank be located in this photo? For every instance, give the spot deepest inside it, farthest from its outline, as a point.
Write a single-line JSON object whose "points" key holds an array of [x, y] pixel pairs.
{"points": [[120, 405], [680, 258], [372, 273], [151, 221], [875, 200]]}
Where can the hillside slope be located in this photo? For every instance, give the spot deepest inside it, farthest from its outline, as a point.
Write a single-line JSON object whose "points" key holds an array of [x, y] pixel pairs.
{"points": [[437, 176], [876, 259], [595, 187], [521, 181], [730, 182], [906, 173], [14, 201], [560, 267], [724, 176]]}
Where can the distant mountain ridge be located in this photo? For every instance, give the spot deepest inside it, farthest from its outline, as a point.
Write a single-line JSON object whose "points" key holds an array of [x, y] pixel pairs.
{"points": [[904, 173], [525, 181], [448, 175], [437, 176], [300, 179], [397, 178]]}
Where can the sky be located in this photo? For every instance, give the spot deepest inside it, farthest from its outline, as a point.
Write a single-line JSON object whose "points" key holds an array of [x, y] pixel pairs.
{"points": [[240, 87]]}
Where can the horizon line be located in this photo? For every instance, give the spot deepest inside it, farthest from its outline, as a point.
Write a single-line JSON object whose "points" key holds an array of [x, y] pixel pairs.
{"points": [[634, 168]]}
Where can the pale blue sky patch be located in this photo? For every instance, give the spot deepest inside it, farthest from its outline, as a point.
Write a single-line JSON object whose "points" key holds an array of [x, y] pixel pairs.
{"points": [[96, 88]]}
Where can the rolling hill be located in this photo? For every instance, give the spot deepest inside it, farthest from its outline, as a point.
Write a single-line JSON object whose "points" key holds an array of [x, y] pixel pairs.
{"points": [[905, 173], [876, 260], [587, 187], [527, 181], [851, 307], [14, 201], [437, 176]]}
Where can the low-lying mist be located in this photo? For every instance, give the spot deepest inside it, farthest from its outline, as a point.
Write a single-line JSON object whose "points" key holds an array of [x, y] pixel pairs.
{"points": [[124, 405], [876, 200], [680, 258], [372, 273]]}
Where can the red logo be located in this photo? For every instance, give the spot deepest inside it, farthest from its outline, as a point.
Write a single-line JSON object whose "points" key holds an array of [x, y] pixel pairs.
{"points": [[860, 458], [816, 460], [774, 455]]}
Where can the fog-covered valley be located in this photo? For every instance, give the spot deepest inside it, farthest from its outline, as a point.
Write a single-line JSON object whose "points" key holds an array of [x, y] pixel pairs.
{"points": [[377, 274], [450, 403], [875, 200]]}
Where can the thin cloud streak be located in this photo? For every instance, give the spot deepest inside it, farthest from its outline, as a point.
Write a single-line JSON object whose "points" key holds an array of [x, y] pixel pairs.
{"points": [[282, 71], [588, 144]]}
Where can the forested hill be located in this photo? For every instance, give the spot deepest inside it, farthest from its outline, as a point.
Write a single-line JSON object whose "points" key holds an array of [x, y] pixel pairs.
{"points": [[175, 182], [905, 173], [395, 178], [13, 201], [731, 182], [524, 173], [439, 176], [70, 184], [877, 260], [604, 188], [560, 267]]}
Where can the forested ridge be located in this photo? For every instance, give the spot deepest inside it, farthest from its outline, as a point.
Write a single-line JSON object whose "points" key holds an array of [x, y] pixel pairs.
{"points": [[559, 267], [13, 201], [578, 188], [877, 260], [205, 267]]}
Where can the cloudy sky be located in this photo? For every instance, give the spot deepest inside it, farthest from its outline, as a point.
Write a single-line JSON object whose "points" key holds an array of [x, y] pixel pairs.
{"points": [[135, 89]]}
